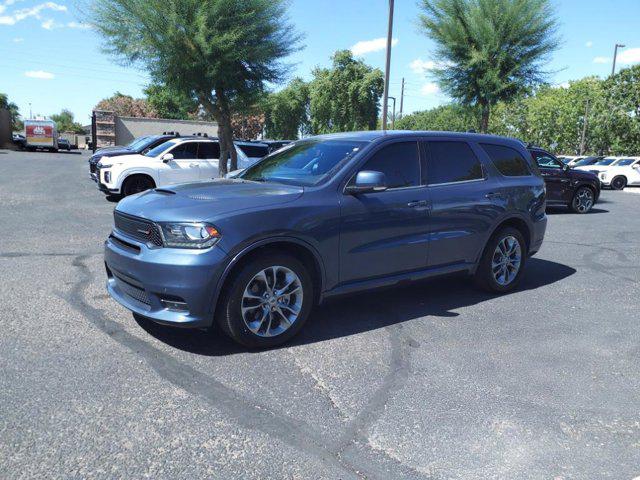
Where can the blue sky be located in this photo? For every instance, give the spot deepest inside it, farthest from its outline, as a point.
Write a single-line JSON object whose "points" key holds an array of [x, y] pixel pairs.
{"points": [[51, 60]]}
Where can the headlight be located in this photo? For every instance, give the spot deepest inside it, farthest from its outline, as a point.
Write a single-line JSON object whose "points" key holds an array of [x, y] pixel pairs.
{"points": [[189, 235]]}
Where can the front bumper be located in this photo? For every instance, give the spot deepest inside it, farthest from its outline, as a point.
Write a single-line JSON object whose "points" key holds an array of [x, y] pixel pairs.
{"points": [[140, 278]]}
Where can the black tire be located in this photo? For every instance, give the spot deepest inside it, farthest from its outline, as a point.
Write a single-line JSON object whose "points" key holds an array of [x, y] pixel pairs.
{"points": [[136, 184], [619, 182], [229, 315], [484, 277], [583, 200]]}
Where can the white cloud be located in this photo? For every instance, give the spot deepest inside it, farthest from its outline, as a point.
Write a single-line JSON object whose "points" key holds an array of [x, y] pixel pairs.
{"points": [[39, 74], [430, 89], [420, 66], [564, 85], [601, 60], [589, 44], [48, 24], [630, 56], [18, 40], [81, 26], [368, 46], [19, 15]]}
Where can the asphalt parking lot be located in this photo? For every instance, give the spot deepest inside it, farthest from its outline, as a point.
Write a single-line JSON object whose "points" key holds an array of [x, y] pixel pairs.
{"points": [[433, 380]]}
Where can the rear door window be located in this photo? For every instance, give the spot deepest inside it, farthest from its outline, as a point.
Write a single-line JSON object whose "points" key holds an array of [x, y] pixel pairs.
{"points": [[255, 151], [507, 160], [209, 150], [399, 162], [452, 162]]}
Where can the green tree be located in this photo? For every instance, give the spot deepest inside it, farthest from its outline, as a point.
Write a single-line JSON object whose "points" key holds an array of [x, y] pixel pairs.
{"points": [[219, 52], [620, 117], [287, 111], [489, 50], [346, 96], [451, 118], [13, 111], [168, 102], [66, 123], [126, 106]]}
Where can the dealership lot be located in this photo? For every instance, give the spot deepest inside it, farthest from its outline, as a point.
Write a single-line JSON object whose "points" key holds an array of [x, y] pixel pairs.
{"points": [[431, 380]]}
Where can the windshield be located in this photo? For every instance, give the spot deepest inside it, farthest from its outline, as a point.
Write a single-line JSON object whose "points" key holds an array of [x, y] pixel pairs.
{"points": [[605, 161], [586, 161], [625, 162], [137, 142], [154, 152], [307, 162]]}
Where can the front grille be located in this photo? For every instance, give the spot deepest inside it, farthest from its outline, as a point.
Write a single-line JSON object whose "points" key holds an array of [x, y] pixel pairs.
{"points": [[138, 228], [131, 290]]}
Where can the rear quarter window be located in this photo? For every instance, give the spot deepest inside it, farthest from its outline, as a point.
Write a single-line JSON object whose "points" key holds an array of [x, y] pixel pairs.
{"points": [[254, 150], [507, 160]]}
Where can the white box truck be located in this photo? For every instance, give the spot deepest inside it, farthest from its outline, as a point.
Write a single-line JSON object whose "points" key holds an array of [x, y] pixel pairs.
{"points": [[41, 134]]}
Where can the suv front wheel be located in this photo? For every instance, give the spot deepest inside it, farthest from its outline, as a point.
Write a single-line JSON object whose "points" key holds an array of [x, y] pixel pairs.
{"points": [[267, 301], [502, 261]]}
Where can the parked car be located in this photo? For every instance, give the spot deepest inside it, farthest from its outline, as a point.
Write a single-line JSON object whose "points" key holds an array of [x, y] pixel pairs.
{"points": [[626, 172], [19, 140], [600, 165], [140, 146], [585, 162], [276, 144], [254, 151], [328, 215], [179, 160], [569, 187], [64, 144]]}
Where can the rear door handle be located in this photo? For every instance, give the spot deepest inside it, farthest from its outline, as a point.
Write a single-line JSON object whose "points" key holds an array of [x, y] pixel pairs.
{"points": [[193, 165], [491, 195], [417, 203]]}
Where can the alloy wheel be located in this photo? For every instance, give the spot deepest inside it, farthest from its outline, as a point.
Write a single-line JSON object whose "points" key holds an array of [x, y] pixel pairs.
{"points": [[272, 301], [583, 200], [506, 261]]}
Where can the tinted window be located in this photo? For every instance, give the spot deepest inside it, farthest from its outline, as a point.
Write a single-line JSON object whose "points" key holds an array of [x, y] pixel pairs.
{"points": [[256, 151], [186, 151], [452, 162], [399, 162], [209, 150], [507, 160], [625, 162]]}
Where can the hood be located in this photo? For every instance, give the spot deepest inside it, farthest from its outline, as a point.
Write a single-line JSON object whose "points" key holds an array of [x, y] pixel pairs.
{"points": [[111, 152], [125, 158], [582, 174], [204, 201]]}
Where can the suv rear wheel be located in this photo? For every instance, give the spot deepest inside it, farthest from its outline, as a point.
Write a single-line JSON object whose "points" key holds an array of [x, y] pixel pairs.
{"points": [[618, 183], [502, 261], [582, 200], [267, 301]]}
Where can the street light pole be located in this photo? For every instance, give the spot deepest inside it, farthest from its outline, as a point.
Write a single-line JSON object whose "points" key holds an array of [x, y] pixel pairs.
{"points": [[385, 103], [615, 54]]}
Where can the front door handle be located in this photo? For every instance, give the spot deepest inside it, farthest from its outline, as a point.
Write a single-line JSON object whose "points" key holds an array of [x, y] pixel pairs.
{"points": [[417, 203], [193, 165], [492, 195]]}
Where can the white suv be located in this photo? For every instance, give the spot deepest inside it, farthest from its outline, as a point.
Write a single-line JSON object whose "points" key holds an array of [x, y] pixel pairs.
{"points": [[179, 160], [601, 165], [626, 172]]}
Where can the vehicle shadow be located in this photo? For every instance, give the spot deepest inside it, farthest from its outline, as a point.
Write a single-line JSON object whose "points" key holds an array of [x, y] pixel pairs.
{"points": [[113, 198], [565, 210], [366, 311]]}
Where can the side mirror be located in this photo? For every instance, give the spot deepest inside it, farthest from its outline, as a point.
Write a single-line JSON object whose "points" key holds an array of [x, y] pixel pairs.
{"points": [[566, 168], [637, 166], [367, 181], [167, 157]]}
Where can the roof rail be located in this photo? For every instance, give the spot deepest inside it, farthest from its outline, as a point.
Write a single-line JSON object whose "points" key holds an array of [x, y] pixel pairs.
{"points": [[175, 134]]}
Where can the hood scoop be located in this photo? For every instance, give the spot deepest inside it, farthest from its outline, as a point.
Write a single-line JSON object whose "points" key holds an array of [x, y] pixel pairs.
{"points": [[165, 191]]}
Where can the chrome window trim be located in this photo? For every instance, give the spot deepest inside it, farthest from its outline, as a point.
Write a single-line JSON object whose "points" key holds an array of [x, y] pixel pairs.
{"points": [[483, 179]]}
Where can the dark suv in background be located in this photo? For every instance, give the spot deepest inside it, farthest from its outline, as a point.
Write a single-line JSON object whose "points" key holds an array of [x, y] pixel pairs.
{"points": [[578, 190], [326, 216]]}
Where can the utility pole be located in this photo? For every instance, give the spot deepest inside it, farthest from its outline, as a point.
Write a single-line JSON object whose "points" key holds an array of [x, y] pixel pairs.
{"points": [[393, 113], [584, 128], [30, 114], [401, 98], [385, 102], [615, 54]]}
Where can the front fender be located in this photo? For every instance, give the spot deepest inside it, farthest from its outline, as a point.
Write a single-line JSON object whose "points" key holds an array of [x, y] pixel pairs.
{"points": [[127, 172]]}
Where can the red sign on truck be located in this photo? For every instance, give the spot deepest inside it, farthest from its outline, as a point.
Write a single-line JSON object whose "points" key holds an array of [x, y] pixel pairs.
{"points": [[40, 133]]}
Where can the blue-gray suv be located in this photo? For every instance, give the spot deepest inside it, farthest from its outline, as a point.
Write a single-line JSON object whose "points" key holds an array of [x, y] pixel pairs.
{"points": [[326, 216]]}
